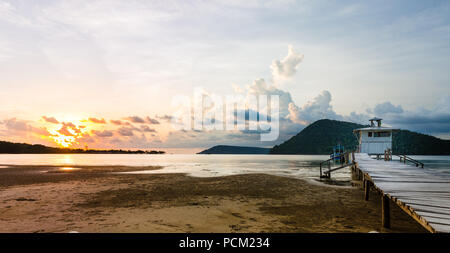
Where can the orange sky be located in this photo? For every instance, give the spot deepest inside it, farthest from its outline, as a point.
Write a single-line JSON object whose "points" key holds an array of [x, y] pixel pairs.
{"points": [[92, 132]]}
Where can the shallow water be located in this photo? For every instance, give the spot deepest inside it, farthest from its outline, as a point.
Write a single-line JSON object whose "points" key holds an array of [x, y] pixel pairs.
{"points": [[297, 166]]}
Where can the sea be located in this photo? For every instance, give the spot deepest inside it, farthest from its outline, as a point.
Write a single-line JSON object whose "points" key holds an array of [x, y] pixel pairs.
{"points": [[196, 165]]}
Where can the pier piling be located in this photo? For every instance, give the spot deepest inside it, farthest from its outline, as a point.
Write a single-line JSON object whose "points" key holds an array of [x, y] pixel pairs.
{"points": [[385, 212], [366, 189]]}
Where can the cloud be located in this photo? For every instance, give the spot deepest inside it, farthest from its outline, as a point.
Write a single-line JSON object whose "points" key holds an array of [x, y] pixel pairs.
{"points": [[9, 14], [139, 120], [69, 129], [247, 113], [116, 122], [319, 108], [432, 123], [152, 121], [442, 105], [293, 117], [287, 67], [16, 125], [104, 133], [97, 121], [138, 141], [85, 138], [355, 117], [135, 119], [72, 126], [50, 120], [124, 131], [164, 117], [116, 141], [260, 87], [120, 123], [65, 131], [145, 128], [295, 114], [193, 139], [387, 107], [435, 120], [41, 131], [237, 88], [21, 128]]}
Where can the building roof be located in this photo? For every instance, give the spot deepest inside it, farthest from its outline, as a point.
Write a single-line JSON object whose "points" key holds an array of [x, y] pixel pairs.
{"points": [[375, 128]]}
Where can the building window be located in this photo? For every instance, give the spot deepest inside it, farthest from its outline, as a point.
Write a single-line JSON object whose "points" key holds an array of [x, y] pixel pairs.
{"points": [[370, 134], [382, 134]]}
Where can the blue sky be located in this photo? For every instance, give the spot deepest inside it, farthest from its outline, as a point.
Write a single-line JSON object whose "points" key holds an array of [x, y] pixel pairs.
{"points": [[73, 60]]}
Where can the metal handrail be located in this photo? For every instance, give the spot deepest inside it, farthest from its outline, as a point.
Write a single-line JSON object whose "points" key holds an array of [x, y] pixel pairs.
{"points": [[341, 155], [329, 163], [407, 158]]}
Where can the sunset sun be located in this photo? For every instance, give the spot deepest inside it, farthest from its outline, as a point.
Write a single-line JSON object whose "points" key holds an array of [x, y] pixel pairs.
{"points": [[66, 133], [64, 141]]}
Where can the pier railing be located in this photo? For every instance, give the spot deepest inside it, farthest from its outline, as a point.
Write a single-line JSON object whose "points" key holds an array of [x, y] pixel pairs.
{"points": [[343, 163], [404, 159]]}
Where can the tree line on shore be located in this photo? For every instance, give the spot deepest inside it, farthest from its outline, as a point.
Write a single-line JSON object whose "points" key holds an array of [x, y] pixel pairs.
{"points": [[24, 148]]}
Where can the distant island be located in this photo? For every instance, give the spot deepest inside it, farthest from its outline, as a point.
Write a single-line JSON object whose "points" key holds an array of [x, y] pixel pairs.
{"points": [[23, 148], [224, 149], [319, 138]]}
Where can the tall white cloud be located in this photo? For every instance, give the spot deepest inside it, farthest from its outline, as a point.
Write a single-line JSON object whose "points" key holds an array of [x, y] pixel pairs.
{"points": [[261, 87], [287, 67], [319, 108]]}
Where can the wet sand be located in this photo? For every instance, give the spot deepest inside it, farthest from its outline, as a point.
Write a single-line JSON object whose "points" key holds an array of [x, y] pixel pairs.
{"points": [[97, 199]]}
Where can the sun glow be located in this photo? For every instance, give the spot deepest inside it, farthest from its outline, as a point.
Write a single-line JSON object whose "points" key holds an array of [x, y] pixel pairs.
{"points": [[66, 133], [68, 169], [64, 141]]}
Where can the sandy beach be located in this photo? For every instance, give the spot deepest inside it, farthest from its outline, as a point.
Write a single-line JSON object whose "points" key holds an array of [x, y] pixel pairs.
{"points": [[100, 199]]}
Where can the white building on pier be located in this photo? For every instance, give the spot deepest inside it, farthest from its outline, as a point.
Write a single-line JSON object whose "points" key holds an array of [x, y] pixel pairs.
{"points": [[374, 140]]}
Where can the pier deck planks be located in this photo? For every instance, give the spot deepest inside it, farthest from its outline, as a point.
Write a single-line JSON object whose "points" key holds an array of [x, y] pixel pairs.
{"points": [[424, 192]]}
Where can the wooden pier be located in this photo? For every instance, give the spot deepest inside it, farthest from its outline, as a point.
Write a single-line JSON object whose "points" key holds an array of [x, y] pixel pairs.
{"points": [[423, 194]]}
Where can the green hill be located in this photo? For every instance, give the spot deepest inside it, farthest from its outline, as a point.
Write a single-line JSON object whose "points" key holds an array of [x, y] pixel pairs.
{"points": [[320, 137], [224, 149], [412, 143]]}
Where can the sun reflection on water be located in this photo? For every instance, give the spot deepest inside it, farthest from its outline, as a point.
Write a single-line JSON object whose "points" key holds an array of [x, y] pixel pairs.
{"points": [[65, 159], [69, 169]]}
